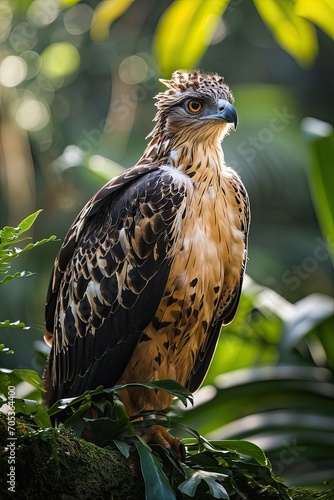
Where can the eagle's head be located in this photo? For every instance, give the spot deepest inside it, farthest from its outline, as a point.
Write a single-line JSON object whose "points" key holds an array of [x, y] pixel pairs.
{"points": [[196, 104]]}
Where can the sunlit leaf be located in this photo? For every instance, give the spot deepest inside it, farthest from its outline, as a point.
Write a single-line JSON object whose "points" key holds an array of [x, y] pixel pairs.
{"points": [[9, 324], [19, 274], [28, 221], [8, 234], [295, 35], [189, 486], [5, 349], [104, 15], [322, 186], [38, 243], [29, 376], [185, 30], [67, 3], [321, 14]]}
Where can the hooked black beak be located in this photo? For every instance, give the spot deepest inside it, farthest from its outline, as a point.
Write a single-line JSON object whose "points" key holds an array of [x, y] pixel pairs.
{"points": [[226, 113]]}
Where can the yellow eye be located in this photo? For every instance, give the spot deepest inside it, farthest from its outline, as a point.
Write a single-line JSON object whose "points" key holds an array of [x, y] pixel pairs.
{"points": [[195, 106]]}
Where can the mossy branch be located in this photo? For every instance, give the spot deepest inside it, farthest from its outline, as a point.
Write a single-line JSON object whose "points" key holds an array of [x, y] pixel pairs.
{"points": [[54, 464]]}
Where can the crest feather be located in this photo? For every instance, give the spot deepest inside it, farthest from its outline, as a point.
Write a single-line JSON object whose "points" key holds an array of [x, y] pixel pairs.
{"points": [[184, 80]]}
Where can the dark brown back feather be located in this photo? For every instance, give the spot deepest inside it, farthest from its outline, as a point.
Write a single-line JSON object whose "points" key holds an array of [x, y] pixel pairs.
{"points": [[108, 280]]}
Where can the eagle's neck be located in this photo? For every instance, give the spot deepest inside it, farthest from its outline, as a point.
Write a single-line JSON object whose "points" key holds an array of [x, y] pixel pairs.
{"points": [[199, 160]]}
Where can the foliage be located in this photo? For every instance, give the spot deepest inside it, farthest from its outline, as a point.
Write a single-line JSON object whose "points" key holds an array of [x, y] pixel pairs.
{"points": [[271, 382], [10, 237], [322, 186], [223, 466], [186, 28]]}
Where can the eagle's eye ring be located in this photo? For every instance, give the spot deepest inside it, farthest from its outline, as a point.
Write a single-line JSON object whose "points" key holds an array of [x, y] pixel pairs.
{"points": [[195, 105]]}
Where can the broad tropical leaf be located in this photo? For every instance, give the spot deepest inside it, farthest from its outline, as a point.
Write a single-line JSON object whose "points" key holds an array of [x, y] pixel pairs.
{"points": [[184, 31]]}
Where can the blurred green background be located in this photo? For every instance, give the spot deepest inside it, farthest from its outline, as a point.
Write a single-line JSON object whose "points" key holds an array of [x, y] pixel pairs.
{"points": [[77, 81]]}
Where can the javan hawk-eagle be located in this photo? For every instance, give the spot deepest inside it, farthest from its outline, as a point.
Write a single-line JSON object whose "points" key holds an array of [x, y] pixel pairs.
{"points": [[152, 267]]}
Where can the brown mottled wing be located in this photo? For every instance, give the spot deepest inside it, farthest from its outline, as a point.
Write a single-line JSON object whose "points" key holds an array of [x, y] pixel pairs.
{"points": [[109, 278], [228, 307]]}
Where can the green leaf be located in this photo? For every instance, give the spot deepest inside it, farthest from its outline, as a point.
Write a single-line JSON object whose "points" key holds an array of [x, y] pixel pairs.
{"points": [[124, 448], [295, 35], [39, 243], [29, 376], [243, 447], [28, 221], [76, 422], [307, 314], [184, 31], [322, 186], [205, 460], [259, 473], [5, 349], [169, 386], [322, 15], [64, 4], [4, 382], [8, 234], [157, 485], [42, 419], [104, 15], [19, 274], [35, 410], [62, 404], [14, 324], [105, 430], [189, 486]]}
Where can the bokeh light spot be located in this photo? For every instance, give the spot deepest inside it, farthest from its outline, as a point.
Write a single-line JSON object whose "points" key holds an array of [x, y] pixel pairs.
{"points": [[34, 63], [32, 115], [23, 37], [77, 19], [133, 70], [41, 13], [13, 70], [5, 21], [60, 60]]}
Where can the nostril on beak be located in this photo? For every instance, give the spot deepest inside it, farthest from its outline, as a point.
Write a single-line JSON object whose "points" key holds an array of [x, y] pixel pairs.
{"points": [[227, 112]]}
